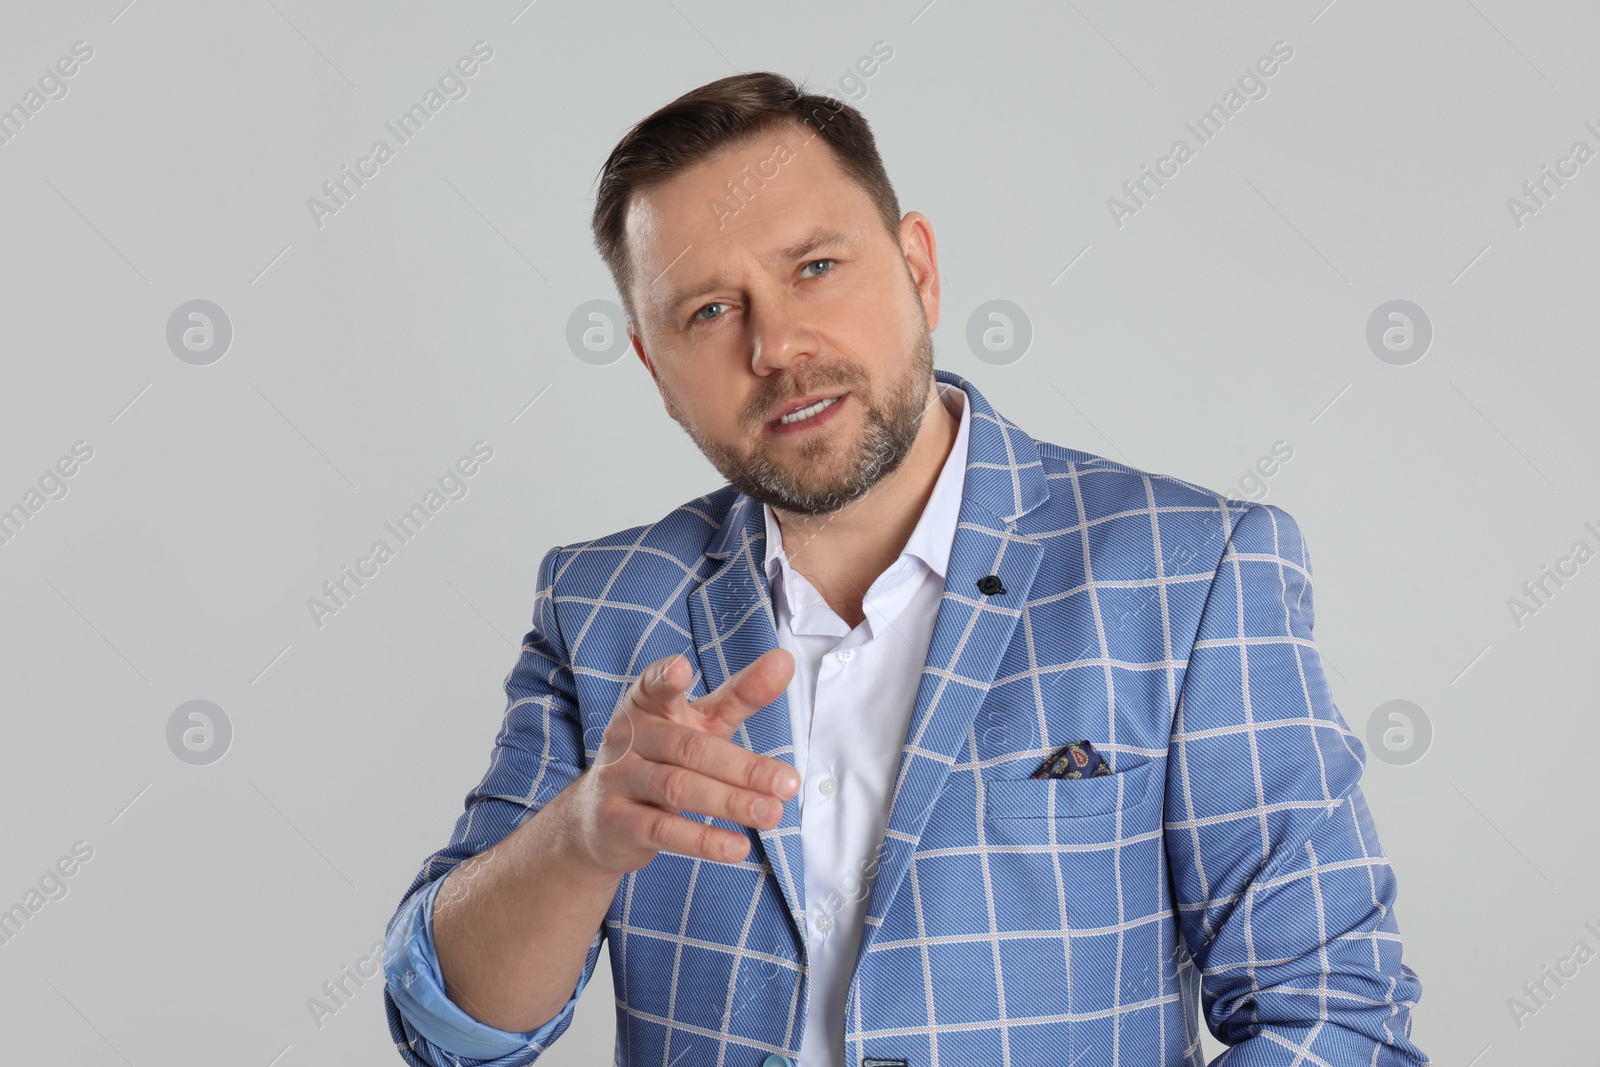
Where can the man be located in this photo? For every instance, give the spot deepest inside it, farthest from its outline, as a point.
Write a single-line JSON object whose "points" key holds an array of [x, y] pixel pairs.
{"points": [[919, 742]]}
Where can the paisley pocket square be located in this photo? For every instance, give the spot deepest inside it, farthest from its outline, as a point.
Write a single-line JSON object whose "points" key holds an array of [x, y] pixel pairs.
{"points": [[1076, 759]]}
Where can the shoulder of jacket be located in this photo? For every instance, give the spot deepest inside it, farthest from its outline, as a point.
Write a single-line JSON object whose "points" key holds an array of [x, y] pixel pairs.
{"points": [[1117, 486], [682, 535]]}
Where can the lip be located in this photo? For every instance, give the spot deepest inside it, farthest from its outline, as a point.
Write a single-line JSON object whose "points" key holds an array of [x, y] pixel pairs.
{"points": [[804, 402]]}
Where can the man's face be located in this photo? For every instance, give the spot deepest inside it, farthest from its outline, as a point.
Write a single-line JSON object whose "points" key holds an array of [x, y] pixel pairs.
{"points": [[790, 291]]}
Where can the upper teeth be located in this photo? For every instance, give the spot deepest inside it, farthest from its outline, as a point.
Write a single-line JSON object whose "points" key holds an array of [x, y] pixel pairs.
{"points": [[806, 413]]}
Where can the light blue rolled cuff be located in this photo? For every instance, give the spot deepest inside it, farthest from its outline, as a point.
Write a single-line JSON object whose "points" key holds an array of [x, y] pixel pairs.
{"points": [[411, 968]]}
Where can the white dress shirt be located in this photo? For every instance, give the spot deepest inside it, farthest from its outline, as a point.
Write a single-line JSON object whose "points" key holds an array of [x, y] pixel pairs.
{"points": [[850, 704]]}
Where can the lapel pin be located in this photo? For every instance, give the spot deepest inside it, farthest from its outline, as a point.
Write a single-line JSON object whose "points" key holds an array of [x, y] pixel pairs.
{"points": [[990, 585]]}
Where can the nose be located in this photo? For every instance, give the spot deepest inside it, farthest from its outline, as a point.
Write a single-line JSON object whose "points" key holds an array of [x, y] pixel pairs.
{"points": [[781, 333]]}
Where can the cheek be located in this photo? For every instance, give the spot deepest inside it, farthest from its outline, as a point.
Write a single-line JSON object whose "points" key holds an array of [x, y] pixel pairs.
{"points": [[864, 319], [882, 342], [712, 408]]}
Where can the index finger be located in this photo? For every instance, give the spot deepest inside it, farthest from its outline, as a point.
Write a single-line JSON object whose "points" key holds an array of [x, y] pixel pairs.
{"points": [[659, 689]]}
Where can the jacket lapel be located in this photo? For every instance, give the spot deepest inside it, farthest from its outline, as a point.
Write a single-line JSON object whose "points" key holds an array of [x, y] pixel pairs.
{"points": [[730, 617], [1004, 481]]}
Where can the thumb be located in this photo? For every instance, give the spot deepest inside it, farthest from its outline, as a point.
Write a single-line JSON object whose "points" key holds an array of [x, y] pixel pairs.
{"points": [[749, 689]]}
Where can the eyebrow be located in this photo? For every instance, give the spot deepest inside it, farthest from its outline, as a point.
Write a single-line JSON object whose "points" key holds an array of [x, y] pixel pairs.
{"points": [[817, 238]]}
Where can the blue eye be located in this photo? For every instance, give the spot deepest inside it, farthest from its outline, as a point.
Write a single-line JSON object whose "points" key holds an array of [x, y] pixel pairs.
{"points": [[701, 316]]}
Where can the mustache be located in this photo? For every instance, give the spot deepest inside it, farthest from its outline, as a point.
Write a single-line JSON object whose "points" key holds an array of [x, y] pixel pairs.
{"points": [[764, 408]]}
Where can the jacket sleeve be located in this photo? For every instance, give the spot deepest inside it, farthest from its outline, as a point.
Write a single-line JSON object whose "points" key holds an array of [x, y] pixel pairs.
{"points": [[1285, 897], [537, 753]]}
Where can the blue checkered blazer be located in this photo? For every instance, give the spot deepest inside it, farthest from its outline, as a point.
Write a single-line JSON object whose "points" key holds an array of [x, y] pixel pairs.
{"points": [[1229, 866]]}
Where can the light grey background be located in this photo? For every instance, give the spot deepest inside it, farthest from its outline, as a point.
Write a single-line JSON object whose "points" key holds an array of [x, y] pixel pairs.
{"points": [[1228, 314]]}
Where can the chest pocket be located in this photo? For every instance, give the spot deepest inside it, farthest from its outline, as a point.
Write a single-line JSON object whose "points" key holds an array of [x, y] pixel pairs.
{"points": [[1068, 798]]}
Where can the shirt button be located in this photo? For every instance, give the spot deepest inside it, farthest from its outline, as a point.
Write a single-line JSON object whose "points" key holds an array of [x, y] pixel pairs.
{"points": [[847, 655], [824, 923], [828, 786]]}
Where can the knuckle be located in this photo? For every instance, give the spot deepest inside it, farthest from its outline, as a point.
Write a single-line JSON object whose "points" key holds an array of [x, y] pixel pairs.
{"points": [[750, 805], [708, 842], [671, 782], [637, 699], [689, 748], [757, 772], [658, 829]]}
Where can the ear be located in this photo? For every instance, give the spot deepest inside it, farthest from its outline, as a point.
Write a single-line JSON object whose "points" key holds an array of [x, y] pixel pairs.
{"points": [[922, 260], [638, 349]]}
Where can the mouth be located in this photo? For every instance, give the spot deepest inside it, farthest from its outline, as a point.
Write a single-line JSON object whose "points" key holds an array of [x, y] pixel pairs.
{"points": [[806, 412]]}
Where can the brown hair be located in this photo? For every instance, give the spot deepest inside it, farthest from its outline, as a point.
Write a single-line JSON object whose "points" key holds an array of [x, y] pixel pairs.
{"points": [[715, 116]]}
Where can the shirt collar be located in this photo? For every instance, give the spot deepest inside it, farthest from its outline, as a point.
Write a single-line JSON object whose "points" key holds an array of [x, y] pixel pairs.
{"points": [[935, 532]]}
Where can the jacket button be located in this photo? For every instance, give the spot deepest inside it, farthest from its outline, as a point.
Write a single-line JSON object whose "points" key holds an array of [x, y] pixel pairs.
{"points": [[777, 1059]]}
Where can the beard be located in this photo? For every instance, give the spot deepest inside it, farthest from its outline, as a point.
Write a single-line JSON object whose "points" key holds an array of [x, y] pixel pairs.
{"points": [[822, 477]]}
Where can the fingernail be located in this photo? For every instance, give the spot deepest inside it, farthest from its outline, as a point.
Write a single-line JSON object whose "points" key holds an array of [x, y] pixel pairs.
{"points": [[788, 785]]}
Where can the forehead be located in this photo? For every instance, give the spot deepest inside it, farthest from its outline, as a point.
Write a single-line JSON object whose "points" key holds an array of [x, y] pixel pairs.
{"points": [[741, 209]]}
